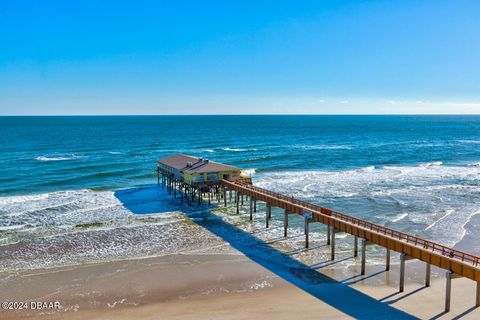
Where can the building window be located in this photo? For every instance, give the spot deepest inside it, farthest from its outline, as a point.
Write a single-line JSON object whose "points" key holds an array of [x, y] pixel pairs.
{"points": [[212, 177]]}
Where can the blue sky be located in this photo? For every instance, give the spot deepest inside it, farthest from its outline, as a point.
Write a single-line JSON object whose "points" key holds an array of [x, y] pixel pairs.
{"points": [[224, 57]]}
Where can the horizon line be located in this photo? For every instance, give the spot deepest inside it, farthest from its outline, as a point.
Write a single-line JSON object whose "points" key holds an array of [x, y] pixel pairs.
{"points": [[241, 114]]}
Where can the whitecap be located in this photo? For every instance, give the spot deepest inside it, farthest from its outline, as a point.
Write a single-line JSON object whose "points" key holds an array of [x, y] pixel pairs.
{"points": [[366, 169], [474, 164], [431, 164], [469, 141], [399, 217], [57, 158], [11, 227], [238, 149], [324, 147]]}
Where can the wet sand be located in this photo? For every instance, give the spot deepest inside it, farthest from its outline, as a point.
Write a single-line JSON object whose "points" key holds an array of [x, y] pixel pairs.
{"points": [[227, 287]]}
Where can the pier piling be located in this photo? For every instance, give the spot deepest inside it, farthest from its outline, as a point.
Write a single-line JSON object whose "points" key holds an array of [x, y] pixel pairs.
{"points": [[403, 257], [268, 214], [387, 258], [251, 209], [225, 196], [365, 243], [355, 246], [428, 271], [306, 231], [237, 201], [332, 246], [328, 234]]}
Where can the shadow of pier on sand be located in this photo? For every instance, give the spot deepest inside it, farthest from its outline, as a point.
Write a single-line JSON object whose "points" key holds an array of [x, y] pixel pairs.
{"points": [[335, 293]]}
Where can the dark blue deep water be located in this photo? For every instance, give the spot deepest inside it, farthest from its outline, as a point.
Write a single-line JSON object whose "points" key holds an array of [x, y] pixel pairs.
{"points": [[40, 154]]}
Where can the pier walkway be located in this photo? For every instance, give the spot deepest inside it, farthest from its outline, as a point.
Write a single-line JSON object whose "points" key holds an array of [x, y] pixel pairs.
{"points": [[457, 263]]}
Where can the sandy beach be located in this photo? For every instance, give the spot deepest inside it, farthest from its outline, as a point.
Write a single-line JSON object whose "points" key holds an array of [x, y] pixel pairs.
{"points": [[225, 287]]}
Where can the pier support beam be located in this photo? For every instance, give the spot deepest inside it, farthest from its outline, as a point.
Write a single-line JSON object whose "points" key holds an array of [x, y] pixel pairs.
{"points": [[402, 272], [332, 246], [268, 214], [449, 276], [328, 234], [254, 205], [225, 196], [355, 247], [403, 257], [477, 298], [365, 243], [307, 231], [428, 271], [251, 209], [237, 201], [285, 223], [387, 262], [448, 289]]}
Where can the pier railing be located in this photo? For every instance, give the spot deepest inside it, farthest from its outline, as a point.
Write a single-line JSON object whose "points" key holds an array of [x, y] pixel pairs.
{"points": [[410, 239]]}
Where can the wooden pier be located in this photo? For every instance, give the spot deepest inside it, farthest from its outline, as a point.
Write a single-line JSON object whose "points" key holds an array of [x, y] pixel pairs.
{"points": [[198, 179], [457, 263]]}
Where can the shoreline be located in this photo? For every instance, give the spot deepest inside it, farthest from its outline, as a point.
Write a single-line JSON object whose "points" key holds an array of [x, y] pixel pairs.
{"points": [[225, 287]]}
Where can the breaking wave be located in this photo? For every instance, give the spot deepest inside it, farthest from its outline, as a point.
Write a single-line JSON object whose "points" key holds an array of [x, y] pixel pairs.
{"points": [[324, 147], [239, 149], [57, 158], [431, 164], [427, 200]]}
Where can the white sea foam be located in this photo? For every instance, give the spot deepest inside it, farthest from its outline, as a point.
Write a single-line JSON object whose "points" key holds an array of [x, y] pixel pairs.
{"points": [[431, 164], [324, 147], [447, 213], [366, 169], [57, 158], [474, 164], [11, 227], [111, 228], [400, 217], [383, 194], [208, 150], [469, 141], [78, 226], [239, 149]]}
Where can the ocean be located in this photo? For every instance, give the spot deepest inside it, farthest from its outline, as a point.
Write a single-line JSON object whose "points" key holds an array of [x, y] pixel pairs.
{"points": [[77, 190]]}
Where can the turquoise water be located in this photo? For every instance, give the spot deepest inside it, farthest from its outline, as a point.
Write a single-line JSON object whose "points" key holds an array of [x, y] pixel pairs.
{"points": [[41, 154], [419, 174]]}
